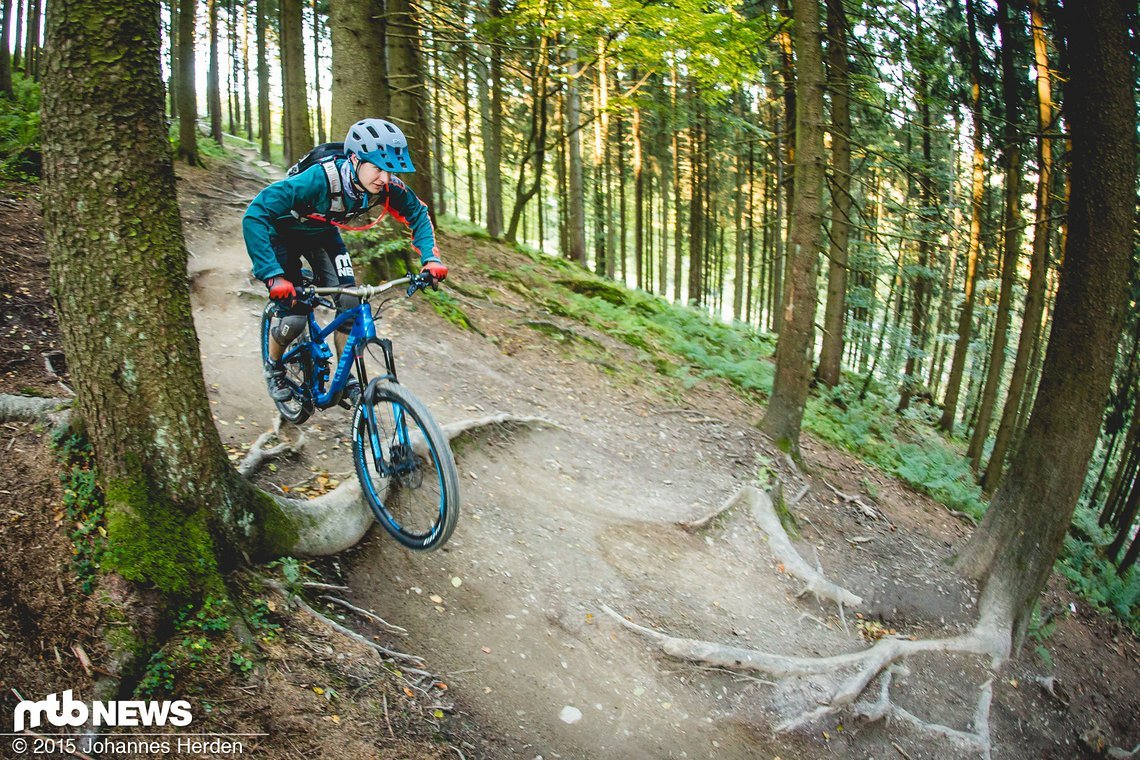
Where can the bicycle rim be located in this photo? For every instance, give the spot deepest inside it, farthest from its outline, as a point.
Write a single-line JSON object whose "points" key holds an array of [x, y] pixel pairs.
{"points": [[405, 467], [297, 409]]}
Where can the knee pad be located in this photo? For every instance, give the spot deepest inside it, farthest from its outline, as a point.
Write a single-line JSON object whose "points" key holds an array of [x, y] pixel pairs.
{"points": [[288, 328], [345, 303]]}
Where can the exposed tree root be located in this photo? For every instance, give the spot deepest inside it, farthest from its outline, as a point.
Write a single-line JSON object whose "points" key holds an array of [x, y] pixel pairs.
{"points": [[866, 509], [454, 430], [258, 454], [983, 640], [703, 522], [338, 519], [346, 632], [977, 740], [54, 411], [765, 515]]}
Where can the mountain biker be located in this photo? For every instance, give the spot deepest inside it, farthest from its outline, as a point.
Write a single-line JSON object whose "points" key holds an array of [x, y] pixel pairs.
{"points": [[299, 216]]}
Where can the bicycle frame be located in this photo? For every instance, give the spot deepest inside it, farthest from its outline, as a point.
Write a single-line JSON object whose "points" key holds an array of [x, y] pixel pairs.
{"points": [[363, 331]]}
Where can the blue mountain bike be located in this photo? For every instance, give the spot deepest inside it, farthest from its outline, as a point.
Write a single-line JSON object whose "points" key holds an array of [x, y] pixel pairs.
{"points": [[402, 457]]}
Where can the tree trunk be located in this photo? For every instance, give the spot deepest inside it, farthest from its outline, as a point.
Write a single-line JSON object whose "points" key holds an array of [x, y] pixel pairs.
{"points": [[177, 511], [577, 200], [678, 204], [5, 58], [187, 86], [172, 87], [213, 86], [1011, 239], [18, 41], [437, 126], [696, 209], [920, 303], [247, 98], [1013, 549], [535, 138], [298, 138], [977, 190], [32, 44], [359, 64], [408, 95], [1035, 295], [493, 133], [264, 122], [831, 352], [235, 62], [320, 117], [639, 257], [794, 350]]}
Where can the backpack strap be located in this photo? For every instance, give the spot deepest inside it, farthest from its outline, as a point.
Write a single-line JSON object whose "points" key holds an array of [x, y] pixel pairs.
{"points": [[336, 194]]}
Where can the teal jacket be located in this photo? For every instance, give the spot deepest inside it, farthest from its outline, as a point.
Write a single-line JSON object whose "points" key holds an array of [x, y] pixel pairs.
{"points": [[280, 210]]}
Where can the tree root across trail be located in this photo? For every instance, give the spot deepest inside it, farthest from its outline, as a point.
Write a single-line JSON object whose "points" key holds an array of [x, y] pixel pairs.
{"points": [[846, 676], [339, 519]]}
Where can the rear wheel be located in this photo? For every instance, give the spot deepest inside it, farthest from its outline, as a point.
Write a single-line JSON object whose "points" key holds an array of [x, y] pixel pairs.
{"points": [[298, 369], [405, 466]]}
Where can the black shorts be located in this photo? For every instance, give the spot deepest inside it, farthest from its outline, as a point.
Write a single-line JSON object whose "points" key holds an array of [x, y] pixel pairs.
{"points": [[326, 256]]}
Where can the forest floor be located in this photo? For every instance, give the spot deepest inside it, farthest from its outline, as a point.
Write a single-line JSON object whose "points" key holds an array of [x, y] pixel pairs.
{"points": [[556, 523]]}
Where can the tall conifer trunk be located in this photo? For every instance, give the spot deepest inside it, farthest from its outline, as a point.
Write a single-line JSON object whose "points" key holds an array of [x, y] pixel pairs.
{"points": [[1035, 295], [174, 503], [213, 84], [187, 84], [977, 190], [794, 351], [359, 32], [1011, 237], [408, 96], [493, 132], [831, 352], [264, 122], [1014, 547], [298, 139], [5, 58], [577, 195]]}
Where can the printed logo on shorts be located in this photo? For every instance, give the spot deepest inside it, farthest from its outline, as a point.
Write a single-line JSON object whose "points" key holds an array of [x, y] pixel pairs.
{"points": [[344, 265]]}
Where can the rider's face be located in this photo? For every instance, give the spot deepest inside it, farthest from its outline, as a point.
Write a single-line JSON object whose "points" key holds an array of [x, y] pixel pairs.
{"points": [[372, 178]]}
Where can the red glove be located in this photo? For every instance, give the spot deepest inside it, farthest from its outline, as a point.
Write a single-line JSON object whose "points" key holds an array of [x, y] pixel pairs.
{"points": [[437, 270], [281, 290]]}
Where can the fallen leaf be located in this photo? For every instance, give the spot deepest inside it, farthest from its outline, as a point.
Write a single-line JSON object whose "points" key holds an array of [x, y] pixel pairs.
{"points": [[436, 598], [411, 694], [457, 582], [486, 650]]}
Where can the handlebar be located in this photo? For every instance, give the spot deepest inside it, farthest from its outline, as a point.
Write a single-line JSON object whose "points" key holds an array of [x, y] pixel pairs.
{"points": [[364, 292]]}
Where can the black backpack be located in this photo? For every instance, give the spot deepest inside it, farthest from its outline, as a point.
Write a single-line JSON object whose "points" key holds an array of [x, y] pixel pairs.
{"points": [[325, 154]]}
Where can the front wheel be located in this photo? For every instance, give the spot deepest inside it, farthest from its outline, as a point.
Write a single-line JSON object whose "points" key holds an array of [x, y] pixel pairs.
{"points": [[405, 466], [298, 370]]}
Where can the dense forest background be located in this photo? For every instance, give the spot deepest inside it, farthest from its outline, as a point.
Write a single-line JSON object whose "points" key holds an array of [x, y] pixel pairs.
{"points": [[655, 144]]}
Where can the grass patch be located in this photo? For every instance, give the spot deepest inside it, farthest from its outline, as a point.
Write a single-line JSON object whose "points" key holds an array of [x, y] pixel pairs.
{"points": [[447, 307]]}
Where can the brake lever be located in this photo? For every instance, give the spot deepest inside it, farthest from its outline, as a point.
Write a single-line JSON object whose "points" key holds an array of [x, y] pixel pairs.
{"points": [[422, 282]]}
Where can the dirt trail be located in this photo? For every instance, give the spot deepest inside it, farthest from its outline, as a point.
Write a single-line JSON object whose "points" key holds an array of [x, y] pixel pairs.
{"points": [[559, 521]]}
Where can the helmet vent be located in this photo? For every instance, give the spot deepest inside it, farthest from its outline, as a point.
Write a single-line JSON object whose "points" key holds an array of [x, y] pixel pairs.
{"points": [[372, 131], [390, 127]]}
